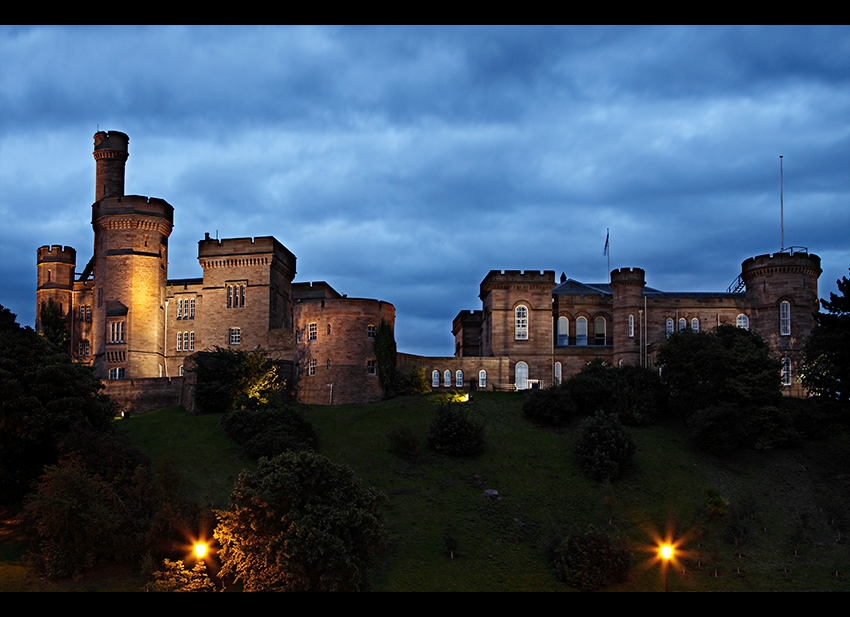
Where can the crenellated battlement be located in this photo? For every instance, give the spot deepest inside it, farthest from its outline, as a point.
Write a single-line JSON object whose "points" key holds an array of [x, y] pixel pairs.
{"points": [[519, 277], [133, 205], [628, 275], [803, 263], [57, 253]]}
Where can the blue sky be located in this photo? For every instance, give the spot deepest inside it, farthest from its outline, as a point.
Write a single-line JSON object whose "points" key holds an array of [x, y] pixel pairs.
{"points": [[404, 163]]}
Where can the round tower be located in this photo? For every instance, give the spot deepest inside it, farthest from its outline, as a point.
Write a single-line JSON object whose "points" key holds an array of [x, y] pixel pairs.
{"points": [[55, 280], [335, 349], [627, 288], [782, 291], [130, 270]]}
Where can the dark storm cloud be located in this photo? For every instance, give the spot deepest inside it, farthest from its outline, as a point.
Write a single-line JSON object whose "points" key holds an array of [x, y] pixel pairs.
{"points": [[405, 163]]}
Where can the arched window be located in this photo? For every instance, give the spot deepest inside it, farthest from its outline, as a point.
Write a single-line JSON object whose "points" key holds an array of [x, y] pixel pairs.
{"points": [[521, 373], [695, 324], [563, 331], [435, 379], [521, 328], [683, 324], [581, 331], [599, 330], [786, 371], [482, 379], [447, 379], [557, 372], [669, 327], [785, 318], [631, 326], [742, 321], [458, 379]]}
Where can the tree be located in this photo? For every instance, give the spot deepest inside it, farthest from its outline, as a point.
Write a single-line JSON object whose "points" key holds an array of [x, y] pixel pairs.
{"points": [[454, 433], [592, 559], [604, 448], [727, 365], [228, 378], [826, 366], [300, 523], [54, 324], [387, 358]]}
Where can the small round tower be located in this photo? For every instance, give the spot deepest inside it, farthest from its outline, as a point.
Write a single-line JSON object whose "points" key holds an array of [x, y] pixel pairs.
{"points": [[110, 154], [627, 287], [55, 281], [335, 349]]}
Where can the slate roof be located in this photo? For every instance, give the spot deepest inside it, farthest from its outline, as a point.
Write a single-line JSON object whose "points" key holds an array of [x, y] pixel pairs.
{"points": [[573, 287]]}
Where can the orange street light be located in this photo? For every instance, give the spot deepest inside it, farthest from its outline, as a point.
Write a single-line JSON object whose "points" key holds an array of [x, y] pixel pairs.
{"points": [[666, 553], [200, 550]]}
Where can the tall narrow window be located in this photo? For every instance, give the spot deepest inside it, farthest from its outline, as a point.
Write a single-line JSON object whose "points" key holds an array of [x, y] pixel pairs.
{"points": [[695, 324], [743, 322], [229, 290], [312, 331], [179, 309], [683, 324], [435, 379], [563, 331], [241, 296], [482, 379], [631, 326], [179, 341], [311, 367], [786, 371], [329, 328], [599, 330], [557, 372], [116, 332], [371, 331], [521, 374], [785, 318], [459, 379], [372, 369], [447, 379], [581, 331], [192, 308], [669, 327], [521, 328]]}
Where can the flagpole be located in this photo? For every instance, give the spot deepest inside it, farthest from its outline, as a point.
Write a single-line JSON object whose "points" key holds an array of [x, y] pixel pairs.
{"points": [[781, 210], [608, 253]]}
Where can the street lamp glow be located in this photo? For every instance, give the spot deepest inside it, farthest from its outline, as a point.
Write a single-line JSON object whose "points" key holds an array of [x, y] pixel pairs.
{"points": [[666, 551], [200, 550]]}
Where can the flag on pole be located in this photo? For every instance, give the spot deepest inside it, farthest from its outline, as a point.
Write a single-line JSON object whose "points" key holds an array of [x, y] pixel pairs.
{"points": [[605, 252]]}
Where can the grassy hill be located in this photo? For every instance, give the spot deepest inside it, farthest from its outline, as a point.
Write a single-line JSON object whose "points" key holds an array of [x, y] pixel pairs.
{"points": [[780, 531]]}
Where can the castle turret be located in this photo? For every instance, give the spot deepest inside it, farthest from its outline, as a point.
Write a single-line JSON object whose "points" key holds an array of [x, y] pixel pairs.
{"points": [[130, 269], [110, 152], [782, 291], [55, 266], [627, 286]]}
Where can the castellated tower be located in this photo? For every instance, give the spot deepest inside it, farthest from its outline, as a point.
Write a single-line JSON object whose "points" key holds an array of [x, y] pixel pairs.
{"points": [[627, 286], [782, 291], [130, 269], [55, 279]]}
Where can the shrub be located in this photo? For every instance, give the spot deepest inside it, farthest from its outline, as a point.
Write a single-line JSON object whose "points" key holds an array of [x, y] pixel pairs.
{"points": [[413, 381], [175, 577], [454, 433], [604, 448], [269, 432], [551, 406], [227, 376], [592, 560]]}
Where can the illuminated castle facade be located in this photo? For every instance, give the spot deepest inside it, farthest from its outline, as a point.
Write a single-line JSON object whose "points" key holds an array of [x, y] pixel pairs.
{"points": [[138, 329]]}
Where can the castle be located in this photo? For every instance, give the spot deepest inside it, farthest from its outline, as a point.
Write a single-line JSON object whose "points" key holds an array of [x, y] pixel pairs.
{"points": [[138, 329]]}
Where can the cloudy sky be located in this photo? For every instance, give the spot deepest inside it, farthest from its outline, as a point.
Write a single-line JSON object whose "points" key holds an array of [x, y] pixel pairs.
{"points": [[404, 164]]}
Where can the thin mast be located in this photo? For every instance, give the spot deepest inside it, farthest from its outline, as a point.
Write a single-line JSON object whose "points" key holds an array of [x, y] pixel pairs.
{"points": [[781, 209]]}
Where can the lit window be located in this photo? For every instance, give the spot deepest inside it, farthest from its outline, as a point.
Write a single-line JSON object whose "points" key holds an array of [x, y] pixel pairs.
{"points": [[312, 330], [521, 328], [669, 327], [695, 324], [447, 379], [786, 371], [311, 367], [435, 379], [370, 365], [116, 332], [235, 336], [180, 309], [371, 331], [459, 379], [563, 331], [743, 322], [482, 379], [785, 318], [631, 326], [521, 373], [581, 331]]}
